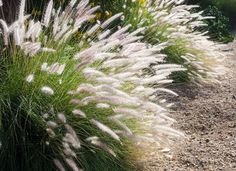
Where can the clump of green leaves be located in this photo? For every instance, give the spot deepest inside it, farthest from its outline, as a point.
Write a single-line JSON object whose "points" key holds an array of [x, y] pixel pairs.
{"points": [[219, 27]]}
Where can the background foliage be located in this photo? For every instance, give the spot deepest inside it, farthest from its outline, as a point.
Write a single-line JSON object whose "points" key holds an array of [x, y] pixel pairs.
{"points": [[219, 28], [224, 12]]}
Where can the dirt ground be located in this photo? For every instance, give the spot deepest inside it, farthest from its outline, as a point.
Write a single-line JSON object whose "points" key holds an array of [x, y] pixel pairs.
{"points": [[208, 117]]}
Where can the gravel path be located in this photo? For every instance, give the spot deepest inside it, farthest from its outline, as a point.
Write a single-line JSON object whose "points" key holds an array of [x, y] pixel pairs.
{"points": [[208, 116]]}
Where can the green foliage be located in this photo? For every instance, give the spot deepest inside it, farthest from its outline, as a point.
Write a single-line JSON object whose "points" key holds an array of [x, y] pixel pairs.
{"points": [[218, 27], [174, 53], [224, 13], [228, 6]]}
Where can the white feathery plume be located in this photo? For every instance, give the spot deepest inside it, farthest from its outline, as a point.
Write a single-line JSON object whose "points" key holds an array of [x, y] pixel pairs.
{"points": [[68, 35], [44, 67], [110, 20], [102, 105], [21, 12], [37, 29], [116, 100], [104, 34], [107, 80], [30, 29], [93, 29], [16, 36], [123, 126], [92, 10], [44, 49], [92, 72], [82, 4], [153, 107], [80, 21], [168, 130], [72, 134], [61, 117], [121, 31], [62, 32], [50, 132], [111, 45], [55, 68], [68, 151], [105, 129], [167, 91], [127, 111], [79, 113], [72, 164], [112, 90], [97, 142], [47, 90], [86, 88], [5, 32], [52, 124], [47, 14], [55, 25], [72, 3], [69, 138], [29, 48], [30, 78], [59, 165]]}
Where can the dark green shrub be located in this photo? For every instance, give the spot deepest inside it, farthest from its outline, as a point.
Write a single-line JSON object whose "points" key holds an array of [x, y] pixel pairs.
{"points": [[219, 28], [227, 7]]}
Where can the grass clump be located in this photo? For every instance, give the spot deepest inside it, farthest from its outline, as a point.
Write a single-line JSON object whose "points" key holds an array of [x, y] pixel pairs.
{"points": [[181, 27], [73, 92]]}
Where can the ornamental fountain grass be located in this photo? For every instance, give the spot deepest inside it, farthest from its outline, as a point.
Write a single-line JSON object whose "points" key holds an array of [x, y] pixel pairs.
{"points": [[74, 101]]}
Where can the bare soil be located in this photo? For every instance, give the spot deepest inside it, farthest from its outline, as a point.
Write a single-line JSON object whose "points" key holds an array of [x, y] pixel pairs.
{"points": [[208, 117]]}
